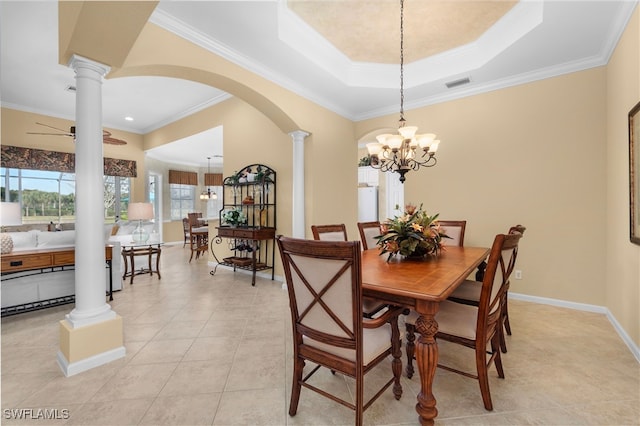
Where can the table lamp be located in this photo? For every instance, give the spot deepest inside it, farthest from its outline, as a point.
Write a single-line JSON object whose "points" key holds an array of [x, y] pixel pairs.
{"points": [[10, 215], [140, 212]]}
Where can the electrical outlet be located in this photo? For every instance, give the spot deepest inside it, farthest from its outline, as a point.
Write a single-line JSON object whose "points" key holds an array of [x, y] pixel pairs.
{"points": [[518, 274]]}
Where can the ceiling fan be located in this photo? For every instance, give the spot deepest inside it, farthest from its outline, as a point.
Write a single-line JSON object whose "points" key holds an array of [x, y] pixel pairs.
{"points": [[106, 135]]}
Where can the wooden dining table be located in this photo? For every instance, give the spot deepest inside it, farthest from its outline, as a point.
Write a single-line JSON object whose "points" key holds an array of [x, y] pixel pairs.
{"points": [[421, 285]]}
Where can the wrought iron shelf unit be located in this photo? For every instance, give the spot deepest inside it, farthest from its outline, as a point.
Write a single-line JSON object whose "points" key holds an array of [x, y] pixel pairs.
{"points": [[251, 193]]}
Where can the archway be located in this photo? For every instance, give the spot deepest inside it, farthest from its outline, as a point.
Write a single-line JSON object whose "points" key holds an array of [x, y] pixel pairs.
{"points": [[281, 119]]}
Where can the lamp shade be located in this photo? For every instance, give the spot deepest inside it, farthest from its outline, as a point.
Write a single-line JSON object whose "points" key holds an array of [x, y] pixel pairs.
{"points": [[140, 211], [10, 214]]}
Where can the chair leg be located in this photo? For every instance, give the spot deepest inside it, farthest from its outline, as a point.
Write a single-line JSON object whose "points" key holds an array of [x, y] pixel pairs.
{"points": [[495, 346], [192, 245], [359, 397], [298, 367], [411, 348]]}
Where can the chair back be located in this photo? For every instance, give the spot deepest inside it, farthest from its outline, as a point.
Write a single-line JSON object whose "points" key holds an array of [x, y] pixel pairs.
{"points": [[185, 226], [193, 219], [325, 294], [455, 230], [500, 265], [336, 232], [368, 233]]}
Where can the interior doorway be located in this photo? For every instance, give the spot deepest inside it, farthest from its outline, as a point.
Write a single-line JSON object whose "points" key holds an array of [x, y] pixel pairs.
{"points": [[394, 194], [154, 195]]}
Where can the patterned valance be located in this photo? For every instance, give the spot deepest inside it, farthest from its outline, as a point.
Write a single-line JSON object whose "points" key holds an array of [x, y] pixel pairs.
{"points": [[213, 179], [183, 178], [15, 157]]}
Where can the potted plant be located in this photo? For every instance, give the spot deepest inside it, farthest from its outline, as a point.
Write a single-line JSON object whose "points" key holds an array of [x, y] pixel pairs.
{"points": [[415, 234], [234, 217], [364, 161]]}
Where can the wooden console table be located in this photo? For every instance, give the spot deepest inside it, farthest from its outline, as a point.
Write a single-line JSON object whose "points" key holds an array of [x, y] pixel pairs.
{"points": [[44, 261], [252, 234]]}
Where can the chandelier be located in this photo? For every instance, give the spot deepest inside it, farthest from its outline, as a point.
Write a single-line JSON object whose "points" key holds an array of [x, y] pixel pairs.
{"points": [[208, 195], [406, 150]]}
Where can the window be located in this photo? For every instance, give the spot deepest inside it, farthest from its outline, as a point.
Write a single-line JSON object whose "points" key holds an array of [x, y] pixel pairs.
{"points": [[116, 197], [182, 200], [47, 196], [214, 205]]}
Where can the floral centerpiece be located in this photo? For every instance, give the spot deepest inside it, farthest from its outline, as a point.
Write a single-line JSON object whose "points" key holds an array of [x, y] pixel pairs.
{"points": [[234, 217], [414, 234]]}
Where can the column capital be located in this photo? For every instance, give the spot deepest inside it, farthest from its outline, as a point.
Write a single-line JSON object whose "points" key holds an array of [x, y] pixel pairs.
{"points": [[78, 61], [299, 135]]}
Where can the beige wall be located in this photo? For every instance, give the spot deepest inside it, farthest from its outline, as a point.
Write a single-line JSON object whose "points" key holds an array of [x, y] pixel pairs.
{"points": [[622, 260], [531, 154]]}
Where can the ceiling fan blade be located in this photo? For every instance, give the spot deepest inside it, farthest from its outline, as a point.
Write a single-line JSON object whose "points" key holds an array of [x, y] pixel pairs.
{"points": [[106, 135], [51, 134], [54, 128], [114, 141]]}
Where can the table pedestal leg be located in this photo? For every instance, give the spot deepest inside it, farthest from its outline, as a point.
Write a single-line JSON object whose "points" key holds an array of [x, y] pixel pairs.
{"points": [[427, 360]]}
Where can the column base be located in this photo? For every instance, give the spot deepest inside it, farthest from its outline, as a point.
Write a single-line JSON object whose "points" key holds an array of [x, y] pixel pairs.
{"points": [[87, 347]]}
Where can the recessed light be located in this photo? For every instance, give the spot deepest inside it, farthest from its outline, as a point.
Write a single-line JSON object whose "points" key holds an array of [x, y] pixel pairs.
{"points": [[128, 118]]}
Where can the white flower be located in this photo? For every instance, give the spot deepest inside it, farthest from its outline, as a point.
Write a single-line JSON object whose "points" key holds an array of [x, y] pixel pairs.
{"points": [[234, 216]]}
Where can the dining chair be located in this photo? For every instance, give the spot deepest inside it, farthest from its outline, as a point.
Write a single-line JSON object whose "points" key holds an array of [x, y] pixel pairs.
{"points": [[186, 230], [455, 230], [324, 283], [199, 240], [469, 293], [368, 232], [478, 327], [338, 232]]}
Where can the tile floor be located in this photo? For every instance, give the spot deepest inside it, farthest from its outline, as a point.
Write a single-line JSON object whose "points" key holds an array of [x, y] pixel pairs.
{"points": [[213, 350]]}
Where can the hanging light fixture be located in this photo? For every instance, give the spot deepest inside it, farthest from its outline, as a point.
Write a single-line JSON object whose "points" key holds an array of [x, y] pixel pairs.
{"points": [[208, 195], [405, 151]]}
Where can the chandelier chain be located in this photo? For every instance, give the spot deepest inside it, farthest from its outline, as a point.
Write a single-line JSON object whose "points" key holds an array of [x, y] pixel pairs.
{"points": [[402, 121]]}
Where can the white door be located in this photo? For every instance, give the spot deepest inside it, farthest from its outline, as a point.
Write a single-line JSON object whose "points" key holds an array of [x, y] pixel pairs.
{"points": [[395, 195]]}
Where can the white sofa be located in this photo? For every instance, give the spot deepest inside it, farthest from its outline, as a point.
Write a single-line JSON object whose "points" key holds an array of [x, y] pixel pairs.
{"points": [[30, 286]]}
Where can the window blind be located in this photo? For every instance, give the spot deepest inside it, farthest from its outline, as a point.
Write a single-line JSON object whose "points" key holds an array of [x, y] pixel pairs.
{"points": [[213, 179], [16, 157], [183, 178]]}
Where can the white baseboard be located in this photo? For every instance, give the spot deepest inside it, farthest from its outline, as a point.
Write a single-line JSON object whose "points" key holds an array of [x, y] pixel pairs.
{"points": [[635, 350], [70, 369]]}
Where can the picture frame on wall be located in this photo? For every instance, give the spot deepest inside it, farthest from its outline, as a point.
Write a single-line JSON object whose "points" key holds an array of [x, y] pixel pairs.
{"points": [[634, 174]]}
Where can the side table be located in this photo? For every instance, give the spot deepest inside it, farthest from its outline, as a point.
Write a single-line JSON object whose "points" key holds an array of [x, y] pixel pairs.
{"points": [[129, 253]]}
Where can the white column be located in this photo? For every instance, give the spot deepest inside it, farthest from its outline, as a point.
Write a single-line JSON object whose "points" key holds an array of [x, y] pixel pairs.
{"points": [[91, 306], [298, 225]]}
